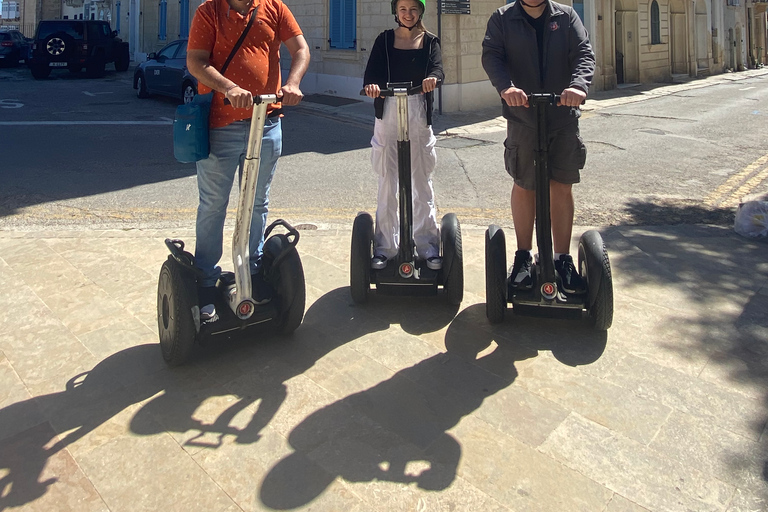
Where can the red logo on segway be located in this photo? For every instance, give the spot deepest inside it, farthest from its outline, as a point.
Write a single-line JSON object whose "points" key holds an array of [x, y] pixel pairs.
{"points": [[548, 290], [406, 270], [245, 309]]}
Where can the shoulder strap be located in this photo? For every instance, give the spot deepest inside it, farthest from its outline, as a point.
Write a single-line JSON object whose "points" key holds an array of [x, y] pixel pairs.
{"points": [[240, 41]]}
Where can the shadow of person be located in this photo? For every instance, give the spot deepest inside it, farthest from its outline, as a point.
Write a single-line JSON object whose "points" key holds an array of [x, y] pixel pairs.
{"points": [[254, 372], [396, 431], [38, 428]]}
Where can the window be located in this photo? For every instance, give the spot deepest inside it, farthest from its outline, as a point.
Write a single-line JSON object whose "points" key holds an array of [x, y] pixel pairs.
{"points": [[578, 6], [183, 19], [161, 20], [655, 23], [343, 24]]}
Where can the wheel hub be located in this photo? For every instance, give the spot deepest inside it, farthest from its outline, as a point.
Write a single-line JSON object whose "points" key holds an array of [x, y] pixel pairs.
{"points": [[56, 46]]}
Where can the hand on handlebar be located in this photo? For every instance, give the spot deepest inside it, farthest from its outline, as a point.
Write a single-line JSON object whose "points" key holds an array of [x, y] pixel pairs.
{"points": [[515, 97], [291, 95], [428, 84], [372, 91], [239, 97], [571, 97]]}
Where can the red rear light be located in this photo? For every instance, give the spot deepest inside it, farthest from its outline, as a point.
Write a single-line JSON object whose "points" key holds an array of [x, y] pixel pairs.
{"points": [[6, 43]]}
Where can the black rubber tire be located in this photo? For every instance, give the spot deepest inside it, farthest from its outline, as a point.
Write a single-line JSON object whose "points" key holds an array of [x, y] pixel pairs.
{"points": [[56, 51], [287, 280], [595, 268], [96, 67], [176, 296], [188, 92], [495, 274], [141, 86], [122, 59], [40, 71], [360, 260], [453, 259]]}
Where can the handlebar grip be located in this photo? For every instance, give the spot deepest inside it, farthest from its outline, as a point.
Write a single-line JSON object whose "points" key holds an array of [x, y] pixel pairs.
{"points": [[390, 90], [259, 99]]}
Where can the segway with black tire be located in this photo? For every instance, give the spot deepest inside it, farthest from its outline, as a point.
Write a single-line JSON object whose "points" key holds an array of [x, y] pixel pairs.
{"points": [[545, 297], [180, 327], [404, 275]]}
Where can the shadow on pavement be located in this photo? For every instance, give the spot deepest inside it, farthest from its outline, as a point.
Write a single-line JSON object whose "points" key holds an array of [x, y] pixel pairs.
{"points": [[397, 431], [725, 277], [89, 400]]}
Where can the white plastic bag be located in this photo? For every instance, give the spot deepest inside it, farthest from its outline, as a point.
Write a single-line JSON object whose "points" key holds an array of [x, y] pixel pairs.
{"points": [[752, 219]]}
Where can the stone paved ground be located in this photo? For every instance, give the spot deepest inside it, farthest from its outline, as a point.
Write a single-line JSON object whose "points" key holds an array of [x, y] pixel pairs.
{"points": [[401, 404]]}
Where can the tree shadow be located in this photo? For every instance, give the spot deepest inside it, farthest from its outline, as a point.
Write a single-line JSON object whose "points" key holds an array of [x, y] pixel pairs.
{"points": [[725, 277], [397, 430]]}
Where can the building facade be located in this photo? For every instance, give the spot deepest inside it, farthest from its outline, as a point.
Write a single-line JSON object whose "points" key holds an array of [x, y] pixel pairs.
{"points": [[635, 41]]}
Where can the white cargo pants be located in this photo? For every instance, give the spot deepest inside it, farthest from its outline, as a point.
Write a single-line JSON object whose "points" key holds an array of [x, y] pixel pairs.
{"points": [[423, 160]]}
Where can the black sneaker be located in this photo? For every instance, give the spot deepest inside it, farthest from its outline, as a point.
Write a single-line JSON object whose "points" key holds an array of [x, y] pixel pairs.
{"points": [[206, 299], [260, 289], [570, 280], [521, 271]]}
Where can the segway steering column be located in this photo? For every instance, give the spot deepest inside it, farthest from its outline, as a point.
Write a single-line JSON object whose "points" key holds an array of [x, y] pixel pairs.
{"points": [[240, 297]]}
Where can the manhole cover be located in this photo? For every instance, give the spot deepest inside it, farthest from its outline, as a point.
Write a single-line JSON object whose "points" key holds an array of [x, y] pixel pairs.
{"points": [[460, 142]]}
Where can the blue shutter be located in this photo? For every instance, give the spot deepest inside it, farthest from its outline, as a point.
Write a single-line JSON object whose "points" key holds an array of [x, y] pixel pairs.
{"points": [[578, 6], [161, 33], [117, 16], [183, 19], [343, 24]]}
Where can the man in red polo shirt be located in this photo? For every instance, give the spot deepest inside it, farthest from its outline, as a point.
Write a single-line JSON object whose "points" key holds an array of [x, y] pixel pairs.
{"points": [[254, 70]]}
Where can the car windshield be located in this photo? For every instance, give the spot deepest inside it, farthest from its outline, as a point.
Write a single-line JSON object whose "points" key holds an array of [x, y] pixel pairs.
{"points": [[74, 30]]}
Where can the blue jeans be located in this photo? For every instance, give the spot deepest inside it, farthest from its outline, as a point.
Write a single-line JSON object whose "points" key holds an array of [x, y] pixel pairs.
{"points": [[215, 176]]}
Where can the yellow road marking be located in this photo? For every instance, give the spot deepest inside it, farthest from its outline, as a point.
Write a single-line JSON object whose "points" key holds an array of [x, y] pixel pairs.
{"points": [[732, 184], [745, 189]]}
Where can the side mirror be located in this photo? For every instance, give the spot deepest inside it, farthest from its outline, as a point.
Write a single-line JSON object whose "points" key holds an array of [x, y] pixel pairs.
{"points": [[152, 56], [114, 33]]}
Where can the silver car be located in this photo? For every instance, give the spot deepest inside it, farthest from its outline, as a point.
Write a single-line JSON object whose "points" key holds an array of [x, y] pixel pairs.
{"points": [[165, 72]]}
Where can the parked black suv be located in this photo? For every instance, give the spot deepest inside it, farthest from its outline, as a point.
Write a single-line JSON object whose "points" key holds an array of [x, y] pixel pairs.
{"points": [[77, 44]]}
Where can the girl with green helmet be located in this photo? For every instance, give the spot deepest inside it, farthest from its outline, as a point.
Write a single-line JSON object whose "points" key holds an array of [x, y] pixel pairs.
{"points": [[408, 53]]}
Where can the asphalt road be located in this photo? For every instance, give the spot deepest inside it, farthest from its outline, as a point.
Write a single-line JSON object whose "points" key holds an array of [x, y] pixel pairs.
{"points": [[78, 152]]}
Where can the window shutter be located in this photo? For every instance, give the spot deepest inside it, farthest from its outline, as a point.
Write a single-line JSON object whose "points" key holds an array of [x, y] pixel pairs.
{"points": [[342, 29], [183, 19]]}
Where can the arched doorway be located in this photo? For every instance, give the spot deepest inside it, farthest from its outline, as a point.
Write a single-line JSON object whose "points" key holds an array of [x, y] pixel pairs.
{"points": [[678, 35], [627, 42]]}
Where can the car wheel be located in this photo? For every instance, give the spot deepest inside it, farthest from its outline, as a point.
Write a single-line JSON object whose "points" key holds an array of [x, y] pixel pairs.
{"points": [[141, 87], [59, 45], [95, 68], [188, 92], [122, 60], [40, 71]]}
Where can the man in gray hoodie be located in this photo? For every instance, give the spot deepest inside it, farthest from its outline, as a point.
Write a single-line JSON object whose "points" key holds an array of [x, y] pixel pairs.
{"points": [[536, 47]]}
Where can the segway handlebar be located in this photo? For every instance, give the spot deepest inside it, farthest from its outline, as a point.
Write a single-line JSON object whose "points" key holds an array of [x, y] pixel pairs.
{"points": [[395, 86], [259, 99]]}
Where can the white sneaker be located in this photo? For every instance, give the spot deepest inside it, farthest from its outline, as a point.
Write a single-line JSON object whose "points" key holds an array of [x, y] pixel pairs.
{"points": [[379, 262], [435, 263]]}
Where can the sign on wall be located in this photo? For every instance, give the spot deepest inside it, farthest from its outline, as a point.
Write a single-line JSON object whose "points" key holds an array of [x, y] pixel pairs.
{"points": [[453, 6]]}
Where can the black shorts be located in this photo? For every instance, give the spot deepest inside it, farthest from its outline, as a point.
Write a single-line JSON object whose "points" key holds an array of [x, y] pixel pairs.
{"points": [[567, 155]]}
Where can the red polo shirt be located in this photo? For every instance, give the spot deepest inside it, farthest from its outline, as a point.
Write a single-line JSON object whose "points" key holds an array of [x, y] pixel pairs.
{"points": [[256, 65]]}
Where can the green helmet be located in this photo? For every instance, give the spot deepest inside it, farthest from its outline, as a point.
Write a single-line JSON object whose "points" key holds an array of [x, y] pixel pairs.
{"points": [[422, 2]]}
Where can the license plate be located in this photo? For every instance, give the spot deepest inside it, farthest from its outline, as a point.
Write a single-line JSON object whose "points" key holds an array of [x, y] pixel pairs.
{"points": [[57, 64]]}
